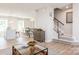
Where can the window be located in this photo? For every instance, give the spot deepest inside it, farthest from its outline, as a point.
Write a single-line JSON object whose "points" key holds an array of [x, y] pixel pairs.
{"points": [[20, 25], [3, 25]]}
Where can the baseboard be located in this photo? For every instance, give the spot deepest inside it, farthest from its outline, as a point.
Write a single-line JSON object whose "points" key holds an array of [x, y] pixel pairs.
{"points": [[60, 41]]}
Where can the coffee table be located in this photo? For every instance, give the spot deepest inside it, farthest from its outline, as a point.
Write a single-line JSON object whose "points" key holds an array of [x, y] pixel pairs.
{"points": [[20, 49]]}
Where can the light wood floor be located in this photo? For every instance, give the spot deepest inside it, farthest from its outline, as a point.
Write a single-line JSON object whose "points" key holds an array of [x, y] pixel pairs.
{"points": [[53, 47], [62, 49]]}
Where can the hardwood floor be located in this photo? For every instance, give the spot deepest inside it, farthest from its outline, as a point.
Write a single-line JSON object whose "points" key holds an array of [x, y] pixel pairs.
{"points": [[53, 47], [62, 49]]}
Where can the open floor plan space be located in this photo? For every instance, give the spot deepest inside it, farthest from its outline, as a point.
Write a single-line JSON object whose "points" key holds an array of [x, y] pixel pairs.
{"points": [[39, 29]]}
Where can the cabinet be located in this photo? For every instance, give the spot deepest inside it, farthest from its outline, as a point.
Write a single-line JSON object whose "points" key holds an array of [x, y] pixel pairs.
{"points": [[39, 35]]}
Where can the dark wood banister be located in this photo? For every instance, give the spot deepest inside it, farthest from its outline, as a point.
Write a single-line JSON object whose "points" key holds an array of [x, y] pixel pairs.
{"points": [[58, 20], [58, 26]]}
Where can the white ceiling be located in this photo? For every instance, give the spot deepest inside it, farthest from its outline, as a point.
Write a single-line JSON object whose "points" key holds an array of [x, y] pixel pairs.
{"points": [[28, 6]]}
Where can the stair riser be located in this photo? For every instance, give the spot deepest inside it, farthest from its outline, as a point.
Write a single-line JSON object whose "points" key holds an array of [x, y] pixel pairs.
{"points": [[65, 38], [63, 42]]}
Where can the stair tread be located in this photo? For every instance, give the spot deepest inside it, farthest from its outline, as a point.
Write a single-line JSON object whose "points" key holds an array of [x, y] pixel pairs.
{"points": [[65, 40]]}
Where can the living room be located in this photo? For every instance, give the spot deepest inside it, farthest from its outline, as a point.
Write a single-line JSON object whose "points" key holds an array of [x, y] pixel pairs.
{"points": [[34, 26]]}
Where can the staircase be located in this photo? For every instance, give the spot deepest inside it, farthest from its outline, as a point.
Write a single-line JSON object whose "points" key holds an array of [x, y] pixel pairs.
{"points": [[58, 27]]}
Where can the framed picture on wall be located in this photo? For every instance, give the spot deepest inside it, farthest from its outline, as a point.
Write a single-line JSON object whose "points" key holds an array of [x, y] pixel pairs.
{"points": [[69, 17]]}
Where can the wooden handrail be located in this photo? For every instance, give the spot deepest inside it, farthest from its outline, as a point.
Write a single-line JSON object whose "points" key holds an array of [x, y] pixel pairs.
{"points": [[58, 20]]}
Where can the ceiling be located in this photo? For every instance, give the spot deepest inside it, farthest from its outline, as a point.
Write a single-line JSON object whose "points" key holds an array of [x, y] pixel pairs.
{"points": [[28, 6]]}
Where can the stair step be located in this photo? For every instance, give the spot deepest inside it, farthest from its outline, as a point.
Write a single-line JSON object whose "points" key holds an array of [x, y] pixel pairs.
{"points": [[68, 38], [63, 41]]}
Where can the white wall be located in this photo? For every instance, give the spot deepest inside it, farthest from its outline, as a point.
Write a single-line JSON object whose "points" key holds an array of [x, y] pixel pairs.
{"points": [[28, 23], [76, 22], [61, 16], [45, 22], [19, 13]]}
